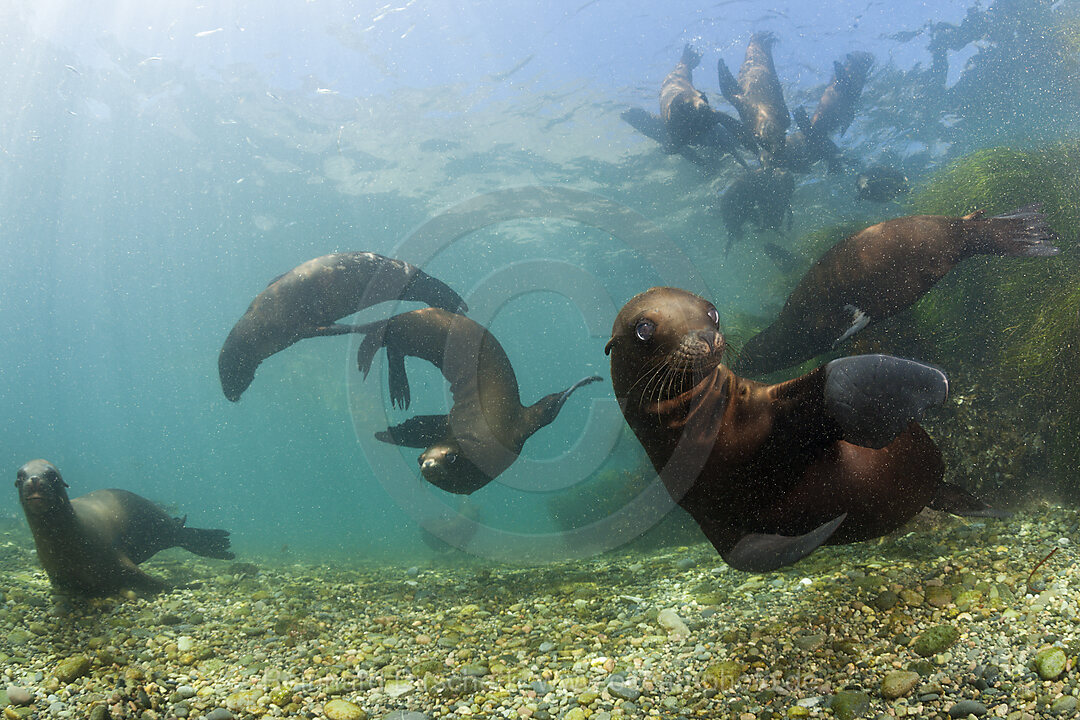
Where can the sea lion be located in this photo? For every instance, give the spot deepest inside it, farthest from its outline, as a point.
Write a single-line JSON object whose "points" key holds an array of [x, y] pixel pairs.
{"points": [[881, 271], [487, 425], [836, 109], [308, 301], [92, 545], [770, 472], [881, 184], [762, 197], [757, 95], [687, 124]]}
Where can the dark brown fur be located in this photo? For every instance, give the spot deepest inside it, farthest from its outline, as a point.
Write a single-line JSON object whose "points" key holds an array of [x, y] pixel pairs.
{"points": [[743, 457], [92, 545], [308, 301], [487, 426], [758, 97], [881, 271]]}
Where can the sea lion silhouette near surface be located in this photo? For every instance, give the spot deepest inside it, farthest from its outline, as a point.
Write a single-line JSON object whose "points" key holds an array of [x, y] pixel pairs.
{"points": [[487, 425], [771, 472], [92, 545], [880, 272], [757, 95], [308, 301]]}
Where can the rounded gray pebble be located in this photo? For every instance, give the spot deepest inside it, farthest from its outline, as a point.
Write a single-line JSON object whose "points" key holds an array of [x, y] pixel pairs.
{"points": [[185, 691], [219, 714], [405, 715]]}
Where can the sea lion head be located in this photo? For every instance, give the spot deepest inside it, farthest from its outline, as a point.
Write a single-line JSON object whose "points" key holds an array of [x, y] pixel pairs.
{"points": [[446, 466], [41, 489], [691, 117], [237, 363], [663, 342]]}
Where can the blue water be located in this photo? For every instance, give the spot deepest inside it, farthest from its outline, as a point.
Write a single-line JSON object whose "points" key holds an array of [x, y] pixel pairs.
{"points": [[160, 163]]}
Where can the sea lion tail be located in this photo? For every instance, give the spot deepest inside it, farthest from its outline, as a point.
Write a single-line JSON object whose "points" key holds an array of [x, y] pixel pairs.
{"points": [[208, 543], [1022, 233], [690, 57]]}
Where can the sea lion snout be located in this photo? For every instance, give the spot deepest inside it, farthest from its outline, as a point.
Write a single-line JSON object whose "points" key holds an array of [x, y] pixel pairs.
{"points": [[698, 345], [39, 485]]}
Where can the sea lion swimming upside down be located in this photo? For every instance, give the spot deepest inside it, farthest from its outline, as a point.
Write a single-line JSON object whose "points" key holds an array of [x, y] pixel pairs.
{"points": [[771, 472], [487, 425], [92, 545], [308, 301]]}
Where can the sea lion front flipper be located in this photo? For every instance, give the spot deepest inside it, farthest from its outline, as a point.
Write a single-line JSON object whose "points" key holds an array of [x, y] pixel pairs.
{"points": [[873, 398], [365, 354], [760, 553], [729, 88], [859, 320], [958, 501], [418, 432], [335, 329], [130, 576], [646, 123]]}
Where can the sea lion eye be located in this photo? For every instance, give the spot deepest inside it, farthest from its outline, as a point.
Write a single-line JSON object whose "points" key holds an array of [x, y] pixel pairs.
{"points": [[451, 457], [714, 316], [644, 330]]}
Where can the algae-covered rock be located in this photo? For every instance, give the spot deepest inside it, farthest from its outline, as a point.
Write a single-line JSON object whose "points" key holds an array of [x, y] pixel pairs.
{"points": [[935, 640], [722, 675], [343, 710], [898, 683], [849, 704], [1050, 663], [72, 668]]}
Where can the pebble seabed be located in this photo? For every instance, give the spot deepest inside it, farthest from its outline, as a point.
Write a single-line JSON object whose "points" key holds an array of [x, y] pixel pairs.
{"points": [[943, 620]]}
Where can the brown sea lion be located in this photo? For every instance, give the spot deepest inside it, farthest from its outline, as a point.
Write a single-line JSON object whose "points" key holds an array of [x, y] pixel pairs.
{"points": [[308, 301], [92, 545], [881, 271], [757, 96], [836, 109], [770, 472], [761, 197], [487, 425], [687, 124]]}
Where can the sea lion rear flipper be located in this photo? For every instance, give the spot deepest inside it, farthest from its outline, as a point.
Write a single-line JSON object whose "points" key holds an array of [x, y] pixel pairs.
{"points": [[1022, 233], [737, 129], [646, 123], [859, 320], [758, 552], [400, 396], [131, 577], [418, 432], [212, 543], [547, 408], [365, 354], [873, 398], [958, 501]]}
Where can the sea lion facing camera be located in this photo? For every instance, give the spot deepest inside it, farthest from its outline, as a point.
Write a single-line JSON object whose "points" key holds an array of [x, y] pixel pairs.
{"points": [[757, 95], [487, 425], [92, 545], [770, 472], [881, 271], [308, 301]]}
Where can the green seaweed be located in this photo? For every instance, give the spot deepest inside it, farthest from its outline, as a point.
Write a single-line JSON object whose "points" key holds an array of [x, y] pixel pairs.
{"points": [[1013, 321]]}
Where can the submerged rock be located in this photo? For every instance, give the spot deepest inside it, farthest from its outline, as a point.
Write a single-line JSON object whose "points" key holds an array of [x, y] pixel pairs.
{"points": [[935, 640], [849, 704], [898, 683]]}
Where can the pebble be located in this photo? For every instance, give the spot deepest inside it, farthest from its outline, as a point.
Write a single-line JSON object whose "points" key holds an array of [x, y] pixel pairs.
{"points": [[1064, 705], [219, 714], [19, 695], [406, 715], [898, 683], [343, 710], [1050, 663], [623, 691], [670, 621], [185, 691], [967, 707]]}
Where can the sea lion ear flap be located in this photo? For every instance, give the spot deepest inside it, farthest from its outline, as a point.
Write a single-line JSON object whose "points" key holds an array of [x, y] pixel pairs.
{"points": [[974, 215], [607, 348]]}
